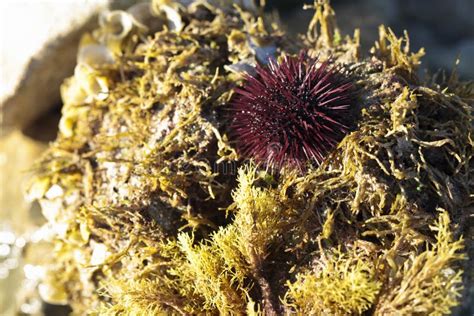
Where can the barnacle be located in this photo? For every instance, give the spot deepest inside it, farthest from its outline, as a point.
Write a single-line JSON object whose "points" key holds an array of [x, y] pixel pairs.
{"points": [[153, 209]]}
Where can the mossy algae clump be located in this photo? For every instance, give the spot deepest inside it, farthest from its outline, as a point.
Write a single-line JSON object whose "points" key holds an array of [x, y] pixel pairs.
{"points": [[153, 211]]}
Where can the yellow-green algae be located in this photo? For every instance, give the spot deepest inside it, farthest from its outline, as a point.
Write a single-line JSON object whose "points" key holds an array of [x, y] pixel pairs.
{"points": [[147, 219]]}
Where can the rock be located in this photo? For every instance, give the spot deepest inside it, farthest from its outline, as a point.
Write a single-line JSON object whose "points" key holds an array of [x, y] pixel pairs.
{"points": [[441, 57], [420, 36], [367, 16], [465, 49], [450, 20], [39, 46]]}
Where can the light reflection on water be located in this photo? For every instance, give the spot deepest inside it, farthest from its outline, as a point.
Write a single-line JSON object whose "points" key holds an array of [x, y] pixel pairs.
{"points": [[20, 243], [18, 280]]}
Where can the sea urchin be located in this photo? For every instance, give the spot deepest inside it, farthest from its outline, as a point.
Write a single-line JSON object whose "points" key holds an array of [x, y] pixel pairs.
{"points": [[291, 112]]}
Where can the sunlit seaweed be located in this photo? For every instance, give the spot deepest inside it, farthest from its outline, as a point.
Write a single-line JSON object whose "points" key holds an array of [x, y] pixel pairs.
{"points": [[148, 214]]}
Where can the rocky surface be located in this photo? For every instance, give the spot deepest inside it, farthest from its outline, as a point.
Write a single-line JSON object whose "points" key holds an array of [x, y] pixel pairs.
{"points": [[444, 28], [39, 45], [38, 50]]}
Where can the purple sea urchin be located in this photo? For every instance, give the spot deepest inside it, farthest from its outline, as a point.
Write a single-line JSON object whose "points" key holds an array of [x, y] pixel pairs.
{"points": [[291, 112]]}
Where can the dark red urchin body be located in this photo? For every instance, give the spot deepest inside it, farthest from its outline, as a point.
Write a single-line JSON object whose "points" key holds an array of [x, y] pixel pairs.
{"points": [[291, 112]]}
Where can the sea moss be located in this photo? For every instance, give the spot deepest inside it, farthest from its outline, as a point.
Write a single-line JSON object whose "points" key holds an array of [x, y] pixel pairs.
{"points": [[150, 216]]}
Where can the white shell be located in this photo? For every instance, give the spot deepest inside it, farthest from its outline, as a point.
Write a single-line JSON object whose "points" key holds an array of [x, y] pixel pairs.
{"points": [[94, 55], [94, 86], [72, 93], [51, 209], [54, 191], [143, 17], [263, 53], [117, 24], [99, 254], [174, 18], [246, 66], [37, 190]]}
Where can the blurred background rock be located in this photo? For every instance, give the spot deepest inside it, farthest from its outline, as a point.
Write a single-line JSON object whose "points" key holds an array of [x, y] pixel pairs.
{"points": [[38, 45], [444, 28]]}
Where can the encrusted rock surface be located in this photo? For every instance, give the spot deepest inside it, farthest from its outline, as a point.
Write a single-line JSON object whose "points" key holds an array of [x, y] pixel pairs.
{"points": [[144, 221], [39, 41]]}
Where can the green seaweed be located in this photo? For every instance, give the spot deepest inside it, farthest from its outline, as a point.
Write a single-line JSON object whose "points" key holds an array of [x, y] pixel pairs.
{"points": [[152, 218]]}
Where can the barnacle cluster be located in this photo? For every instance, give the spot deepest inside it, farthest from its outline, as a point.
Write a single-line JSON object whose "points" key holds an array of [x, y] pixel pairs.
{"points": [[152, 210]]}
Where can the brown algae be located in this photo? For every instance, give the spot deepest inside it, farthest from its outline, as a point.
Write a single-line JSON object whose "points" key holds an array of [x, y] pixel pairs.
{"points": [[148, 216]]}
